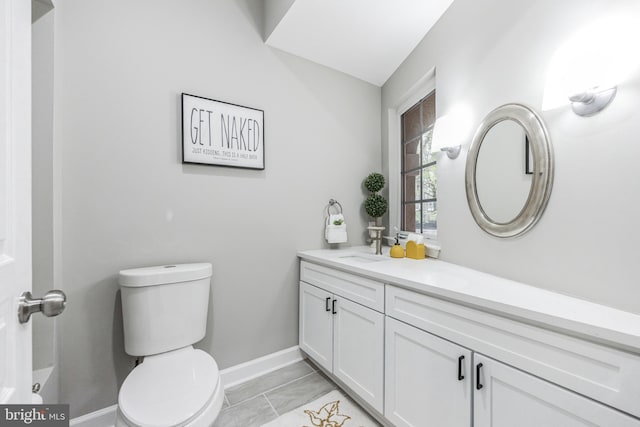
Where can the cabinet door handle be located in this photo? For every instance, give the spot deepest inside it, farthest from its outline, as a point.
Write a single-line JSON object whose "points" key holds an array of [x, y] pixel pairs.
{"points": [[460, 375], [326, 304], [478, 383], [333, 307]]}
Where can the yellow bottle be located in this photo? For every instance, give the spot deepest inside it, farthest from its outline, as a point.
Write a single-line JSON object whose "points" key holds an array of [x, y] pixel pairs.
{"points": [[415, 250], [396, 250]]}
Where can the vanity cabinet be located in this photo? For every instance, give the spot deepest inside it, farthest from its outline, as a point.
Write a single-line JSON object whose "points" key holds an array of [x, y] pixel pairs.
{"points": [[431, 381], [343, 336], [437, 332], [451, 363]]}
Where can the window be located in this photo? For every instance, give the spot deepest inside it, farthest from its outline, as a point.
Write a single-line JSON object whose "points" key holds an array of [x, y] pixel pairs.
{"points": [[418, 172]]}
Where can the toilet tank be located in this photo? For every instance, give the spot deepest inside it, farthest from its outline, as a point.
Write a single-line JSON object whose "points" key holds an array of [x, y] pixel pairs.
{"points": [[164, 307]]}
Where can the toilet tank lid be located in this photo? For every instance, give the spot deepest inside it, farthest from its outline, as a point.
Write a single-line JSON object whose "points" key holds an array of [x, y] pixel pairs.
{"points": [[164, 274]]}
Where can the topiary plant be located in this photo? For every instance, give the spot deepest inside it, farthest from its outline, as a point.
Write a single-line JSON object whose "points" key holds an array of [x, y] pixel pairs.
{"points": [[375, 205], [374, 182]]}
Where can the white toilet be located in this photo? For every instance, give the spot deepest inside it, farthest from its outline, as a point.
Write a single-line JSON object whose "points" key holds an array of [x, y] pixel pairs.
{"points": [[164, 310]]}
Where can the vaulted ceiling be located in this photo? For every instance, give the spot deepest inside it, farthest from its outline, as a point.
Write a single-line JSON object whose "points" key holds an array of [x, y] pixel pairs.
{"points": [[367, 39]]}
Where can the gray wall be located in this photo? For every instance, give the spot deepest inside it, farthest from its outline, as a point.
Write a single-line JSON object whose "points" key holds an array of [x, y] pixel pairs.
{"points": [[490, 52], [127, 201]]}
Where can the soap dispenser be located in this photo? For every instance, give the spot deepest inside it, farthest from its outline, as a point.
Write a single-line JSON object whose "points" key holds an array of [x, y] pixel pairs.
{"points": [[396, 250]]}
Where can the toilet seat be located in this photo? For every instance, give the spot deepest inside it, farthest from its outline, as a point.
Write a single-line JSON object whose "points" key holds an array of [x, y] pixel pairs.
{"points": [[170, 389]]}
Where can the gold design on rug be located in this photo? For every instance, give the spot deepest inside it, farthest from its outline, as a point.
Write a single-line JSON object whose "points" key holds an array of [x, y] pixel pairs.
{"points": [[328, 416]]}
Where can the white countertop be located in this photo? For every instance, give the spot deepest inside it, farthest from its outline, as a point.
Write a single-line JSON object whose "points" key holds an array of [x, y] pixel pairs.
{"points": [[489, 293]]}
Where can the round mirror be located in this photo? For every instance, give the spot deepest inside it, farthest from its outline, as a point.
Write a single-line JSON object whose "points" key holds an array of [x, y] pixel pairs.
{"points": [[501, 179], [509, 171]]}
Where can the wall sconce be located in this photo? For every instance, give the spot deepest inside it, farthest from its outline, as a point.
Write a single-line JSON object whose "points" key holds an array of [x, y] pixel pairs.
{"points": [[452, 152], [592, 101], [440, 135], [450, 130], [590, 65]]}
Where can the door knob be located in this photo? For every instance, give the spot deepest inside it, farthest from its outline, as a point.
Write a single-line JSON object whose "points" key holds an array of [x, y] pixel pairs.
{"points": [[52, 304]]}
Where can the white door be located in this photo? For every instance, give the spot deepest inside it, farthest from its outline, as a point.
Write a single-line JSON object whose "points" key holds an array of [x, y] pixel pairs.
{"points": [[509, 397], [358, 350], [428, 379], [15, 197], [316, 323]]}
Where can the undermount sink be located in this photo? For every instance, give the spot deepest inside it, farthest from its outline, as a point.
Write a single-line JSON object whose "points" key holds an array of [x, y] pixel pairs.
{"points": [[365, 259]]}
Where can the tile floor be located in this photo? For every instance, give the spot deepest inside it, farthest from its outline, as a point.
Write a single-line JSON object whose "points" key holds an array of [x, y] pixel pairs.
{"points": [[265, 398]]}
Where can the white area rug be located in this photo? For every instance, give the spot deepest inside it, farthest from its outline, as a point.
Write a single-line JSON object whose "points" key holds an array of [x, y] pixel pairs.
{"points": [[331, 410]]}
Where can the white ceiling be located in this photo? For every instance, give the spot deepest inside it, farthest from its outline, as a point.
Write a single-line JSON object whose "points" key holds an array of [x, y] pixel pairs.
{"points": [[367, 39]]}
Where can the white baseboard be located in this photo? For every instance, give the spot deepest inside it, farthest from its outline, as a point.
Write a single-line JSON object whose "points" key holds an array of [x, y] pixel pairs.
{"points": [[105, 417], [231, 376], [254, 368]]}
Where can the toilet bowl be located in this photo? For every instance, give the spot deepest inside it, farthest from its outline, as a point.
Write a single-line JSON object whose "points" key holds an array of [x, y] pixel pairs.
{"points": [[178, 388], [164, 312]]}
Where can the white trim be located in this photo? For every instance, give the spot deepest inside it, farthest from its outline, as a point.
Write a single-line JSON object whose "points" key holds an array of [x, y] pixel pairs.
{"points": [[230, 377], [395, 184], [257, 367], [105, 417], [423, 87]]}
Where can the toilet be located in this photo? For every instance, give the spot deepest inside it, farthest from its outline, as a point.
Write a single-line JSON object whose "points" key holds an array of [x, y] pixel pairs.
{"points": [[164, 312]]}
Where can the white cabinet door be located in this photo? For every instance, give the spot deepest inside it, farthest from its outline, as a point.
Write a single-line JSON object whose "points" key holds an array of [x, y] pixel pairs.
{"points": [[428, 379], [316, 323], [358, 350], [509, 397]]}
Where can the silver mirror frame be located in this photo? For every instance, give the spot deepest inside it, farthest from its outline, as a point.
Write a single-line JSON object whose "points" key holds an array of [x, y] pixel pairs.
{"points": [[542, 179]]}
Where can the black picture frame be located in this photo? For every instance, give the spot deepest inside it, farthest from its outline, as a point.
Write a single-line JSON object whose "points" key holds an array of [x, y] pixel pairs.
{"points": [[220, 122]]}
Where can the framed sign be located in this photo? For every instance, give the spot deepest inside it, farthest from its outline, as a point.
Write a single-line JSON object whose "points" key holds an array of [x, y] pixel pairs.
{"points": [[221, 134]]}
